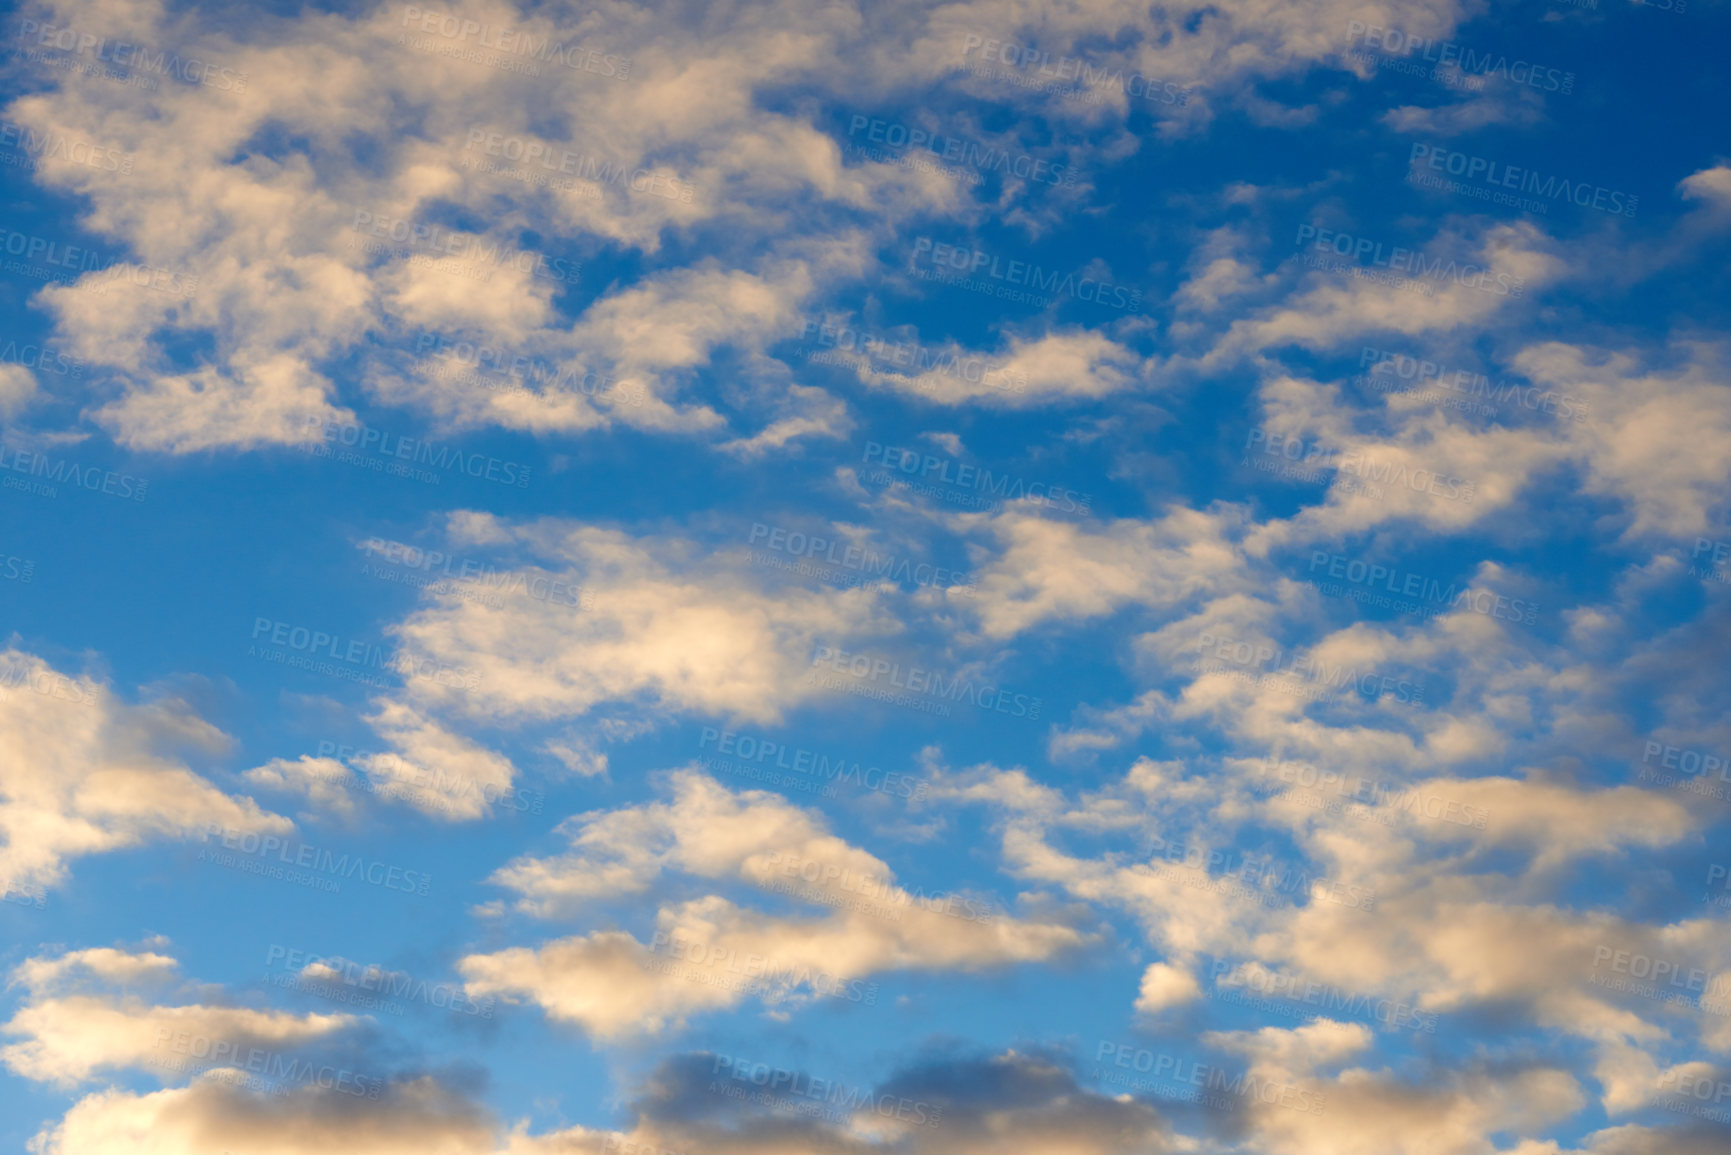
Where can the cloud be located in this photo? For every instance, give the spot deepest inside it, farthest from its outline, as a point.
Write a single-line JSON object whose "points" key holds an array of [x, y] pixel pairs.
{"points": [[1479, 273], [705, 830], [1045, 570], [665, 629], [1164, 986], [710, 953], [17, 389], [1376, 1111], [334, 196], [84, 775], [1011, 1102], [47, 972], [325, 783], [1661, 437], [1066, 365], [419, 1117], [1712, 185], [70, 1036], [439, 772], [1454, 924]]}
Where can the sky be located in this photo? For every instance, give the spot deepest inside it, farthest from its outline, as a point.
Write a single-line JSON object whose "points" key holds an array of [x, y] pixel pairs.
{"points": [[865, 579]]}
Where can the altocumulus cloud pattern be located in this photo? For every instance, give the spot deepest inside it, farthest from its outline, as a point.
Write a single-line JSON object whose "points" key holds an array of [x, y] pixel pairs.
{"points": [[851, 578]]}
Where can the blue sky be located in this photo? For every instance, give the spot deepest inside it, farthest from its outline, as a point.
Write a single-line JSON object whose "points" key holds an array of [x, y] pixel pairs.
{"points": [[865, 579]]}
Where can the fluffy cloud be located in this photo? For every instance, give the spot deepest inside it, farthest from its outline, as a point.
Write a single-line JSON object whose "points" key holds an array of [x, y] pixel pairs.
{"points": [[1012, 1102], [298, 253], [709, 953], [326, 784], [1453, 1111], [212, 1116], [663, 628], [85, 776], [70, 1033], [1045, 569], [1420, 909], [1066, 365]]}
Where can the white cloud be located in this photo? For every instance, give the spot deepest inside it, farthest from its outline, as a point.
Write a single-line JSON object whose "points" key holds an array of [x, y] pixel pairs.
{"points": [[326, 783], [1712, 185], [17, 389], [83, 775], [1047, 569], [69, 1037], [1058, 366], [664, 628], [418, 1117], [710, 953], [1164, 986]]}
